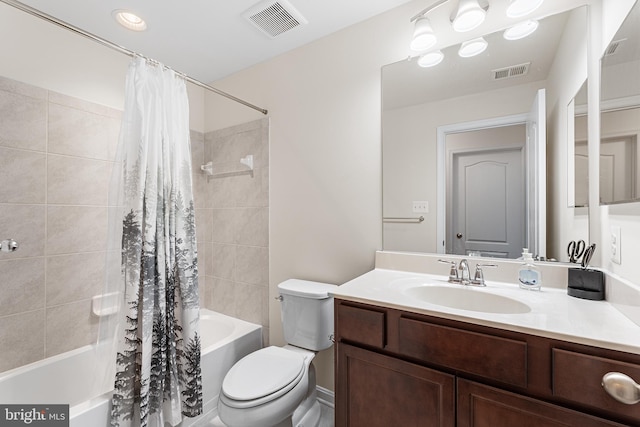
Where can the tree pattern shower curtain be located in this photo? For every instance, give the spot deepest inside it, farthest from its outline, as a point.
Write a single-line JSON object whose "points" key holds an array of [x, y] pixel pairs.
{"points": [[158, 375]]}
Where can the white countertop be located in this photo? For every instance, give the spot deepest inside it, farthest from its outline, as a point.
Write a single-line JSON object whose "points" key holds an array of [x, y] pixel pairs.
{"points": [[553, 313]]}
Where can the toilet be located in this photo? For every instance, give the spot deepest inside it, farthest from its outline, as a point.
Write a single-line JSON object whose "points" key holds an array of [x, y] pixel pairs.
{"points": [[276, 386]]}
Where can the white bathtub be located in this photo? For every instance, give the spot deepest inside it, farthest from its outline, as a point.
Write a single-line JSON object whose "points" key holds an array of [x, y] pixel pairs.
{"points": [[69, 377]]}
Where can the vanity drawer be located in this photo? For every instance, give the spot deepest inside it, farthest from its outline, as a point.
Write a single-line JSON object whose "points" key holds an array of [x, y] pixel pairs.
{"points": [[360, 325], [496, 358], [578, 377]]}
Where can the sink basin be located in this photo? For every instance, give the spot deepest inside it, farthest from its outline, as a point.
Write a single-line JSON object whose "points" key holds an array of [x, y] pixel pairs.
{"points": [[465, 298]]}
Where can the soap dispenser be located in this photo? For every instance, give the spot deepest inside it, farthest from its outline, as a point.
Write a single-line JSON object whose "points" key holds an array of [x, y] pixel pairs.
{"points": [[529, 276]]}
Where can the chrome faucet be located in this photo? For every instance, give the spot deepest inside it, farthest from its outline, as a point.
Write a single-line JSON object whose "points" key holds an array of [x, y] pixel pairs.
{"points": [[478, 278], [463, 268], [461, 274]]}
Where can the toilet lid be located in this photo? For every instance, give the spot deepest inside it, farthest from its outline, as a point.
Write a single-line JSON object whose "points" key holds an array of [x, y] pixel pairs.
{"points": [[263, 373]]}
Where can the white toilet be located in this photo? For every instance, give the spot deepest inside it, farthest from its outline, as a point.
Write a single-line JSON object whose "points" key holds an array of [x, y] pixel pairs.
{"points": [[276, 386]]}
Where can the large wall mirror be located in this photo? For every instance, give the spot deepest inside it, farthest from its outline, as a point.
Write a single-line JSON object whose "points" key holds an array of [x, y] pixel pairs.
{"points": [[457, 142], [620, 114]]}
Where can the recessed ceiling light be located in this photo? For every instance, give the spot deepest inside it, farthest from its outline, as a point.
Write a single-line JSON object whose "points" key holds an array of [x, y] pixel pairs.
{"points": [[521, 30], [431, 59], [129, 20], [472, 47]]}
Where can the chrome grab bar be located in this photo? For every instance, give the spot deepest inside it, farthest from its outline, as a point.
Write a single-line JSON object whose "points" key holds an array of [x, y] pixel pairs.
{"points": [[403, 219]]}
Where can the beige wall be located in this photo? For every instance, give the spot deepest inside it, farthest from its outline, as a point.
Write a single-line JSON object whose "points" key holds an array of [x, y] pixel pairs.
{"points": [[325, 176]]}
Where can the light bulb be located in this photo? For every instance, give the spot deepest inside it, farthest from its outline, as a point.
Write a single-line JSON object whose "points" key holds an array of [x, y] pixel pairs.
{"points": [[472, 47], [521, 30], [431, 59], [423, 35], [520, 8], [469, 16]]}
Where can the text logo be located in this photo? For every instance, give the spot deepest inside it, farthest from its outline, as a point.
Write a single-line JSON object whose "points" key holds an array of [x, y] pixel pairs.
{"points": [[34, 415]]}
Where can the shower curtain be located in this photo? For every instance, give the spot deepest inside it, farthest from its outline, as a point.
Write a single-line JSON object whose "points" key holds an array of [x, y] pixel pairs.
{"points": [[158, 376]]}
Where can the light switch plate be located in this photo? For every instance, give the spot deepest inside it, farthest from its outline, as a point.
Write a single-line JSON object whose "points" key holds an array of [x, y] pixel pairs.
{"points": [[421, 206], [615, 244]]}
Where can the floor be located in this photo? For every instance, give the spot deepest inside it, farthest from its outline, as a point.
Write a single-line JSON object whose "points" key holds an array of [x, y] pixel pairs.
{"points": [[326, 417]]}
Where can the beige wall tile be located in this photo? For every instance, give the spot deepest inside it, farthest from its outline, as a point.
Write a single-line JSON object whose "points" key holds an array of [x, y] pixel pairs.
{"points": [[73, 229], [69, 326], [223, 298], [80, 133], [26, 225], [223, 226], [22, 285], [19, 88], [74, 277], [252, 265], [253, 227], [78, 181], [204, 220], [21, 339], [249, 302], [223, 261], [23, 121], [81, 104], [253, 191], [22, 174]]}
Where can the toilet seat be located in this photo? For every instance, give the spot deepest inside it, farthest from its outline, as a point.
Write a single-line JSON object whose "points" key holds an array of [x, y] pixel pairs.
{"points": [[262, 376]]}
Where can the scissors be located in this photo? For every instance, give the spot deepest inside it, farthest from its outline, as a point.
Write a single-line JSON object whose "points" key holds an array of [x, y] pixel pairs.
{"points": [[588, 253], [575, 250]]}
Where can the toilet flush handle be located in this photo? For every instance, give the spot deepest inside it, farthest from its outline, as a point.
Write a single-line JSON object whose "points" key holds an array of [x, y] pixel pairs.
{"points": [[279, 298]]}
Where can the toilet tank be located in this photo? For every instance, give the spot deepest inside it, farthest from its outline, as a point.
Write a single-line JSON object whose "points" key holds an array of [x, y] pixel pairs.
{"points": [[307, 313]]}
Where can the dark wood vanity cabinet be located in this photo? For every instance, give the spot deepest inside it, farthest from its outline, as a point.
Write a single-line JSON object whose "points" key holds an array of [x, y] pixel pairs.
{"points": [[396, 368]]}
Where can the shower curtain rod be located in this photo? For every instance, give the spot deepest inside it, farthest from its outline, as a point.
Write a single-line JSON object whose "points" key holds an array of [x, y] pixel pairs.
{"points": [[35, 12]]}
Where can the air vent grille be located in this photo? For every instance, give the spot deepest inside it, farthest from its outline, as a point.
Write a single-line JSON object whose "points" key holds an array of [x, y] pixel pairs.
{"points": [[274, 17], [510, 72], [614, 47]]}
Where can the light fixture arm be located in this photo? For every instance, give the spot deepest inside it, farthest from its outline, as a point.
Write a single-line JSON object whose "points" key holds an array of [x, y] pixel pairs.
{"points": [[427, 10]]}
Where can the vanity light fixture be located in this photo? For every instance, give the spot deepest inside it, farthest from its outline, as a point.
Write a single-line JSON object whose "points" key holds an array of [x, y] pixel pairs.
{"points": [[521, 30], [423, 35], [520, 8], [468, 16], [129, 20], [431, 59], [472, 47]]}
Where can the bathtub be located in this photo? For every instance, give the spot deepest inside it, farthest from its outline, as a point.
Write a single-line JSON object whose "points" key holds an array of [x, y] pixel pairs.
{"points": [[68, 377]]}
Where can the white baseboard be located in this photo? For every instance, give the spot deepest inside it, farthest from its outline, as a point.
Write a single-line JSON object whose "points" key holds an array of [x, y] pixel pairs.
{"points": [[325, 396]]}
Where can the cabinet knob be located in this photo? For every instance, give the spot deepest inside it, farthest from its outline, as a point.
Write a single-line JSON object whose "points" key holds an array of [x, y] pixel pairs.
{"points": [[621, 387]]}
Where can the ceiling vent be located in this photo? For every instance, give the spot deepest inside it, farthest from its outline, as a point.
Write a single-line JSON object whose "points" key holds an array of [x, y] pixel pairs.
{"points": [[509, 72], [274, 17], [614, 47]]}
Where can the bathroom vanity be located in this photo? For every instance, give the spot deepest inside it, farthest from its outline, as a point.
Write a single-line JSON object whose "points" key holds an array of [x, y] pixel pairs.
{"points": [[404, 361]]}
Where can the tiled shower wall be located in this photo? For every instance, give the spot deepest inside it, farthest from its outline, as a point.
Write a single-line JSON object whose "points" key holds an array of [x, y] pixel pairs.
{"points": [[56, 157], [232, 216]]}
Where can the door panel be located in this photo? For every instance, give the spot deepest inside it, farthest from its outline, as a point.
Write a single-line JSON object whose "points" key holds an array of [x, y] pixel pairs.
{"points": [[489, 202]]}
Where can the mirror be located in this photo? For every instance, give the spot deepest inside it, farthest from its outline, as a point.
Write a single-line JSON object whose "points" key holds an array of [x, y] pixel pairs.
{"points": [[490, 91], [578, 159], [620, 114]]}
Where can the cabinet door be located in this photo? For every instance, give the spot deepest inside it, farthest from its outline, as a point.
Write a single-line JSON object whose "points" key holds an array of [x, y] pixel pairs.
{"points": [[484, 406], [374, 390]]}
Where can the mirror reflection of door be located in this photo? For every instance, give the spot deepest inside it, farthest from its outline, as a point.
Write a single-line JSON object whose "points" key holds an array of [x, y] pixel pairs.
{"points": [[486, 204]]}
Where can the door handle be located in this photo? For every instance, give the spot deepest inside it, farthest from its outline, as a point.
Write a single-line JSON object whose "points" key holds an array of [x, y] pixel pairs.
{"points": [[459, 235]]}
